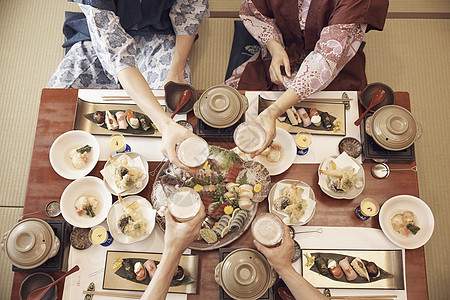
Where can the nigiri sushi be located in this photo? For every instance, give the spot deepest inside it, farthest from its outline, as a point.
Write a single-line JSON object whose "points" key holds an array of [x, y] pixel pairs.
{"points": [[360, 268], [150, 266], [140, 272], [293, 116], [335, 269], [131, 119], [373, 270], [304, 116], [144, 123], [110, 121], [315, 117], [121, 120], [350, 274], [326, 120], [99, 118]]}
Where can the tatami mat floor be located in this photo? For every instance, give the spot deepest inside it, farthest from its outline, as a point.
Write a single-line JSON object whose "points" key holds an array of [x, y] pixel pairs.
{"points": [[410, 55]]}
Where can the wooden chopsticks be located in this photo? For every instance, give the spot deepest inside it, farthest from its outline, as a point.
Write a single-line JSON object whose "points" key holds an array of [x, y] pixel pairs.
{"points": [[379, 297], [113, 294], [122, 98]]}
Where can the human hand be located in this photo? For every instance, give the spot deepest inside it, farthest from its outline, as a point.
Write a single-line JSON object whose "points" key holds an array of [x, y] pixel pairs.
{"points": [[178, 235], [280, 59], [172, 134], [279, 257]]}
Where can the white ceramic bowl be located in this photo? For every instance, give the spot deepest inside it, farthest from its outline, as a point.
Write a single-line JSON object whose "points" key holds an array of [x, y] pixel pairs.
{"points": [[61, 147], [308, 195], [352, 192], [288, 153], [83, 187], [424, 218], [145, 210]]}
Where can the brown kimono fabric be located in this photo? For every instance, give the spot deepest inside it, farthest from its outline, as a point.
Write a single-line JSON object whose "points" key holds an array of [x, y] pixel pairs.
{"points": [[321, 13]]}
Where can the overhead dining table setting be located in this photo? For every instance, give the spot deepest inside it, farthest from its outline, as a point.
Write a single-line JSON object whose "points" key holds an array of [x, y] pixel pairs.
{"points": [[347, 190]]}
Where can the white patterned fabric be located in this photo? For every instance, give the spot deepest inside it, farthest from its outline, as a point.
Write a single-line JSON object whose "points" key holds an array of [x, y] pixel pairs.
{"points": [[95, 63]]}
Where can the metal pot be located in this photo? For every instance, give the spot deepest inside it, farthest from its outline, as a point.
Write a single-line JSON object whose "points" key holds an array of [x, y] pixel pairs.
{"points": [[30, 243], [393, 128], [245, 274], [220, 106]]}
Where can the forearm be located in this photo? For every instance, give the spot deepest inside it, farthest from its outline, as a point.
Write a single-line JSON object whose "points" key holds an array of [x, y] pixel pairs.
{"points": [[285, 101], [183, 46], [299, 286], [160, 283], [137, 88]]}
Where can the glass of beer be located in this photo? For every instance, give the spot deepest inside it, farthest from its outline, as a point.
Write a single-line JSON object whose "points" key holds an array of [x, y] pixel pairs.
{"points": [[268, 229], [249, 137], [193, 152], [184, 204]]}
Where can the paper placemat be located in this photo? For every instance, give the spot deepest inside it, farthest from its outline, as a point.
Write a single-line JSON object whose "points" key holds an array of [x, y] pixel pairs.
{"points": [[349, 238], [92, 262], [149, 147], [322, 145]]}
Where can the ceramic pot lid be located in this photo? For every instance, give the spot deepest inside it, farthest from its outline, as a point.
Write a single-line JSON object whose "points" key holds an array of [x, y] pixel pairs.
{"points": [[245, 274], [29, 243], [220, 106], [394, 128]]}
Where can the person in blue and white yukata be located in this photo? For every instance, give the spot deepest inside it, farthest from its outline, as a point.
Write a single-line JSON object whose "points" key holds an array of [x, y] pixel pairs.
{"points": [[137, 45]]}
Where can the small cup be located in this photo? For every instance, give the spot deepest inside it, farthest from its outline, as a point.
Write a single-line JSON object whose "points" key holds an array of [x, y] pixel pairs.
{"points": [[193, 152], [303, 141], [117, 143], [268, 229], [98, 235], [184, 204], [368, 208]]}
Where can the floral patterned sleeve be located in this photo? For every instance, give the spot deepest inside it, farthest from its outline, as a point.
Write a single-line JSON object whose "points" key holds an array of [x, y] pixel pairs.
{"points": [[263, 29], [114, 47], [336, 47], [186, 16]]}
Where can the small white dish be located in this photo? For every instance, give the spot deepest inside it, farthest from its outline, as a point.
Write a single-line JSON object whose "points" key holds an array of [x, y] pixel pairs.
{"points": [[85, 186], [424, 220], [288, 153], [61, 147], [352, 192], [145, 209], [138, 161], [308, 195]]}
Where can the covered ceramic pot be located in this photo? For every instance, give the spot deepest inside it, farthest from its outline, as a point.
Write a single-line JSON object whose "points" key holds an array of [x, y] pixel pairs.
{"points": [[245, 274], [393, 128], [30, 243], [220, 106]]}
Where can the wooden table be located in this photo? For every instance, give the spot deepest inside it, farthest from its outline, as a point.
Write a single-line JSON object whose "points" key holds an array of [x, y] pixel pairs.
{"points": [[56, 115]]}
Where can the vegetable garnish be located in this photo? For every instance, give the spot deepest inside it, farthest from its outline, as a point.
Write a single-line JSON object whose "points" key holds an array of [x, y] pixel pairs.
{"points": [[83, 149]]}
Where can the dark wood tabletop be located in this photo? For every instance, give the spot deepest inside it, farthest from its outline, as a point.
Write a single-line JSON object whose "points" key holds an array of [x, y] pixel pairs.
{"points": [[56, 116]]}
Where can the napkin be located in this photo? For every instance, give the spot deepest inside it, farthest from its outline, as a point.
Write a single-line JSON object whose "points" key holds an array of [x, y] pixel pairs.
{"points": [[109, 170]]}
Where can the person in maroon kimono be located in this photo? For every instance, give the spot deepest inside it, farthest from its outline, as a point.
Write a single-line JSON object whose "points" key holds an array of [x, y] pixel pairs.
{"points": [[306, 46]]}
